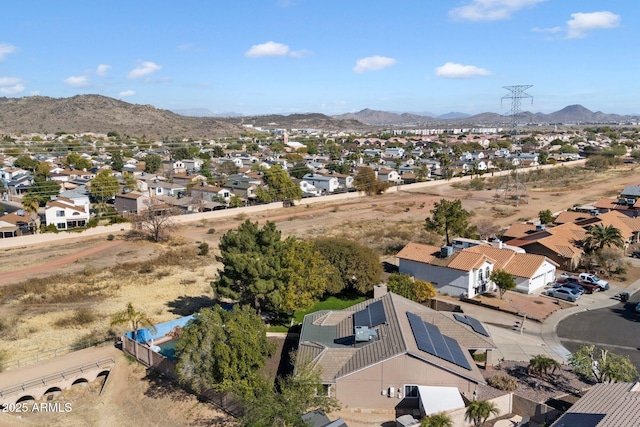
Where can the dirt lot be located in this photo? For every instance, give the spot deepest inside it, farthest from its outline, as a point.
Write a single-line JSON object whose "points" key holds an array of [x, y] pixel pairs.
{"points": [[46, 291]]}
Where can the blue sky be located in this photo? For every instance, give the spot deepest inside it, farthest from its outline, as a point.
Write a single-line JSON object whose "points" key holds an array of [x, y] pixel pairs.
{"points": [[326, 56]]}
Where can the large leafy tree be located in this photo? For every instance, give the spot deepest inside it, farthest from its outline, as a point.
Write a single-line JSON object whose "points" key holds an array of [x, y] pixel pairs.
{"points": [[285, 404], [76, 161], [44, 189], [503, 280], [358, 266], [415, 290], [367, 182], [152, 163], [299, 170], [104, 186], [601, 366], [223, 350], [252, 264], [450, 219], [278, 186], [600, 236], [545, 216], [26, 162], [479, 411], [117, 162]]}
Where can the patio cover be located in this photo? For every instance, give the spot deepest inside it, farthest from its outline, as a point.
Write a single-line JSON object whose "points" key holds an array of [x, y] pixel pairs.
{"points": [[439, 399]]}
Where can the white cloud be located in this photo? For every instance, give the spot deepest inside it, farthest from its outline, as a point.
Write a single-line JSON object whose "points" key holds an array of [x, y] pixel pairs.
{"points": [[373, 63], [270, 48], [145, 68], [11, 85], [551, 30], [451, 70], [126, 93], [581, 23], [77, 81], [102, 70], [6, 49], [490, 10]]}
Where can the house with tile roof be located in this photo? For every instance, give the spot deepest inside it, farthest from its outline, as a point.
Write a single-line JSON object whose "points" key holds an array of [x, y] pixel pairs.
{"points": [[467, 271], [605, 405], [65, 214], [382, 371]]}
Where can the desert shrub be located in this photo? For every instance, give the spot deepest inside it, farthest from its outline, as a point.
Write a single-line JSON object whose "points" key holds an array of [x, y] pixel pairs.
{"points": [[93, 222], [110, 237], [204, 249], [211, 231], [503, 382], [3, 357], [81, 317]]}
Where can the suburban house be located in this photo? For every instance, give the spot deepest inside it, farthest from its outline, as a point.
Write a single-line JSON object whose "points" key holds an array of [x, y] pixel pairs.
{"points": [[17, 223], [607, 404], [185, 178], [307, 188], [373, 356], [20, 185], [389, 175], [64, 213], [326, 183], [131, 203], [467, 271], [158, 187], [210, 193]]}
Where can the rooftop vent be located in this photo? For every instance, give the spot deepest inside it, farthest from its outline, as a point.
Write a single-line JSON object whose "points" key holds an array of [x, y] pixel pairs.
{"points": [[540, 227], [446, 251]]}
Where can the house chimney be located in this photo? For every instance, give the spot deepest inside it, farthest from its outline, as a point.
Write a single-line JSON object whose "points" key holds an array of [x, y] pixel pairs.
{"points": [[379, 290]]}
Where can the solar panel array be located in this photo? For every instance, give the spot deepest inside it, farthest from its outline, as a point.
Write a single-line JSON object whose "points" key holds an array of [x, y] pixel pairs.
{"points": [[473, 322], [371, 316], [430, 340]]}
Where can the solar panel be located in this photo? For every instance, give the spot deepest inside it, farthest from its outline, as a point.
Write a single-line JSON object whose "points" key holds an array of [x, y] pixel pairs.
{"points": [[461, 318], [377, 315], [430, 340], [457, 353], [371, 316], [420, 334], [477, 326]]}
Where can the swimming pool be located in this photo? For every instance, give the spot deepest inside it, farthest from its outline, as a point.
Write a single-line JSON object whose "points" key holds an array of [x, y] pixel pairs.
{"points": [[168, 349]]}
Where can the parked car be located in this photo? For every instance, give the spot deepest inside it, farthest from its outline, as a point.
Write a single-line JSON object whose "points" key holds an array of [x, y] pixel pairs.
{"points": [[635, 254], [638, 308], [564, 293], [586, 280], [593, 280], [575, 286]]}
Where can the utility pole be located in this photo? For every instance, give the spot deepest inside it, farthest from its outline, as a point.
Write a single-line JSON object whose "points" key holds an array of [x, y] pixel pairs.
{"points": [[516, 96]]}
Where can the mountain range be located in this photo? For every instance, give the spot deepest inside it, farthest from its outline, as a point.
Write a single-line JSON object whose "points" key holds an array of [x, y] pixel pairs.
{"points": [[101, 114]]}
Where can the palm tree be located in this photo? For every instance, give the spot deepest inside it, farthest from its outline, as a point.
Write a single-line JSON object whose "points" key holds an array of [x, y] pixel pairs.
{"points": [[541, 364], [600, 236], [136, 319], [30, 204], [479, 411], [440, 419]]}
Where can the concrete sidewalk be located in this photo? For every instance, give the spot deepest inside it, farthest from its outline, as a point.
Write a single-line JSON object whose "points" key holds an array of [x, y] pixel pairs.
{"points": [[514, 343]]}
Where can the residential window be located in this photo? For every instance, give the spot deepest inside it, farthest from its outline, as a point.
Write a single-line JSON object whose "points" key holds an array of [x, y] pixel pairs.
{"points": [[411, 391], [59, 213], [61, 225]]}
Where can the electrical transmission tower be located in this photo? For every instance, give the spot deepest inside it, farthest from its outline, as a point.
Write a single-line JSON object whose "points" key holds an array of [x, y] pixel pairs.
{"points": [[515, 188]]}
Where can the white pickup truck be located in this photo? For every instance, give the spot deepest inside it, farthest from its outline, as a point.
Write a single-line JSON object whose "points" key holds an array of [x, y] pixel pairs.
{"points": [[588, 281], [590, 278]]}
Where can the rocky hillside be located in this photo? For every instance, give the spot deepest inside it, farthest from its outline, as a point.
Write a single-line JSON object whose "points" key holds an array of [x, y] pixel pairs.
{"points": [[101, 114]]}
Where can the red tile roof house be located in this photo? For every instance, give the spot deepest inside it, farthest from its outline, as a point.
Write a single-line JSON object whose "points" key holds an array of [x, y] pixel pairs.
{"points": [[64, 214], [467, 272], [378, 367]]}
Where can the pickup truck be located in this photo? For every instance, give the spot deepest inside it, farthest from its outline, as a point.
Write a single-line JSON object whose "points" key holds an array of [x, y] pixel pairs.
{"points": [[589, 282]]}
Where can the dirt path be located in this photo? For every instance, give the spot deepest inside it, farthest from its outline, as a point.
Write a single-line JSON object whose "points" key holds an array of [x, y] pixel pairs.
{"points": [[53, 266]]}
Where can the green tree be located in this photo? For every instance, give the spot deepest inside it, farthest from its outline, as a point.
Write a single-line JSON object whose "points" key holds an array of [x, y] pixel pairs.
{"points": [[223, 350], [357, 267], [130, 181], [278, 186], [343, 168], [134, 319], [415, 290], [30, 204], [479, 411], [541, 364], [299, 170], [285, 404], [217, 151], [545, 216], [44, 189], [104, 186], [600, 236], [366, 182], [440, 419], [252, 265], [449, 219], [26, 162], [601, 366], [152, 163], [236, 201], [76, 161], [117, 162], [503, 280]]}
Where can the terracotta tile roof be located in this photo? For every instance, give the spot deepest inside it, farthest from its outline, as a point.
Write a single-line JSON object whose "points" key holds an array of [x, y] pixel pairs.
{"points": [[616, 219], [419, 252], [525, 265], [632, 223], [14, 218], [570, 216], [519, 230], [606, 203], [467, 261], [501, 256], [564, 239]]}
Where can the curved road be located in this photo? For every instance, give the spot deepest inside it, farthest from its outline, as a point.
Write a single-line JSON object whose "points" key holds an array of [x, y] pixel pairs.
{"points": [[615, 328]]}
